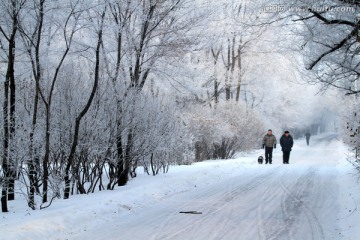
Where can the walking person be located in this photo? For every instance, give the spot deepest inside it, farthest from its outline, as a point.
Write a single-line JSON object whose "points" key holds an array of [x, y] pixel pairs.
{"points": [[307, 136], [286, 142], [269, 142]]}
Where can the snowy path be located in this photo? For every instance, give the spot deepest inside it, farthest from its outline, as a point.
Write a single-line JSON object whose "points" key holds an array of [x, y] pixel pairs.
{"points": [[238, 199], [266, 202]]}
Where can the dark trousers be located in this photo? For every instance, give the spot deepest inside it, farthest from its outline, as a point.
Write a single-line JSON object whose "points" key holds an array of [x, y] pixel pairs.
{"points": [[307, 141], [268, 154], [286, 156]]}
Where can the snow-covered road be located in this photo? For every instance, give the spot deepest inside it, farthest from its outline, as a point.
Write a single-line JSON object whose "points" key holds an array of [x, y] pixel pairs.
{"points": [[314, 197], [295, 201], [275, 203]]}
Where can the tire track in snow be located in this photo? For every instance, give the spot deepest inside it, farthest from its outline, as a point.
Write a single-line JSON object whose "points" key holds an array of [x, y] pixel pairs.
{"points": [[268, 202], [238, 193], [294, 204], [217, 200], [278, 220]]}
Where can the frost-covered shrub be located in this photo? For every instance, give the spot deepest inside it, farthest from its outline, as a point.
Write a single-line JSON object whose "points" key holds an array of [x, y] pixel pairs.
{"points": [[220, 133], [159, 135]]}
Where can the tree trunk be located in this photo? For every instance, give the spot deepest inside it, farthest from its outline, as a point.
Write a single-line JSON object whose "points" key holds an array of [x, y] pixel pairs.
{"points": [[5, 157], [124, 175], [227, 82], [34, 162], [11, 78], [84, 111], [119, 147], [12, 162], [232, 68], [8, 165], [239, 75], [216, 84]]}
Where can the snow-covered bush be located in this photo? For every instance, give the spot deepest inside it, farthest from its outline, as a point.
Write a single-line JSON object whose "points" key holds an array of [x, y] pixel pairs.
{"points": [[221, 132], [159, 136]]}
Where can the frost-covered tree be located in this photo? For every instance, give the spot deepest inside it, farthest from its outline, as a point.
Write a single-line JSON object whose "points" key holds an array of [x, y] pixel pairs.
{"points": [[11, 11], [326, 33], [332, 36], [149, 36], [48, 38]]}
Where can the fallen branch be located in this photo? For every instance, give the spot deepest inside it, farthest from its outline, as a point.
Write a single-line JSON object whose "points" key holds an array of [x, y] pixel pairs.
{"points": [[191, 212]]}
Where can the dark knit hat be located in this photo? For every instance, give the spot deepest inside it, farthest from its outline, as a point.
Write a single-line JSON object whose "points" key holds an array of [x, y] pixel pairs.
{"points": [[286, 131]]}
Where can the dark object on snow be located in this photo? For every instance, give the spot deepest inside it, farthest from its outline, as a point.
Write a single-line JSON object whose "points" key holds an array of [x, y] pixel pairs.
{"points": [[191, 212], [260, 159], [307, 135]]}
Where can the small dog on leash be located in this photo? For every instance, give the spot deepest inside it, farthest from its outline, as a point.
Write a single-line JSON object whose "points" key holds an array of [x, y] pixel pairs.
{"points": [[260, 159]]}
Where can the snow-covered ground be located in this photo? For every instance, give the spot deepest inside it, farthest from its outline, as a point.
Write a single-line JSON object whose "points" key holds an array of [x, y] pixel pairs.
{"points": [[314, 197]]}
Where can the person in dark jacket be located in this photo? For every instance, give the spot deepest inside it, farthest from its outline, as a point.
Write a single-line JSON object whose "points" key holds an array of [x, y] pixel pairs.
{"points": [[307, 136], [286, 143], [269, 142]]}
